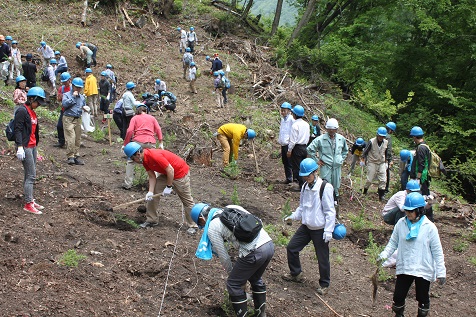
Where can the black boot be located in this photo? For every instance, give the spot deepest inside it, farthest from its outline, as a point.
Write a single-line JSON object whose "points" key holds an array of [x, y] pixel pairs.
{"points": [[365, 191], [398, 310], [423, 310], [259, 300], [240, 305], [381, 194]]}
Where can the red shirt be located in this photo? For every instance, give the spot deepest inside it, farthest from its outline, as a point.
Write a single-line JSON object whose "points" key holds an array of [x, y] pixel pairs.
{"points": [[157, 160], [143, 128], [34, 122], [60, 94]]}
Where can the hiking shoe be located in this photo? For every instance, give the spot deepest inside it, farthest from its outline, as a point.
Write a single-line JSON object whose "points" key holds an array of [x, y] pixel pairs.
{"points": [[58, 145], [148, 225], [293, 278], [38, 206], [126, 187], [78, 161], [71, 161], [322, 290], [31, 208]]}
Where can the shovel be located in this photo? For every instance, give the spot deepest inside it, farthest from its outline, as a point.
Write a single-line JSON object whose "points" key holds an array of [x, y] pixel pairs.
{"points": [[132, 203]]}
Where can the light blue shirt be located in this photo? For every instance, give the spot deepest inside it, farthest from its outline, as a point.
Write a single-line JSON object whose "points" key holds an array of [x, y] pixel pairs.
{"points": [[73, 105]]}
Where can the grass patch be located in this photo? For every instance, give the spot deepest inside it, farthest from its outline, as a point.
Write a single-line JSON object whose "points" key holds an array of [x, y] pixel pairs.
{"points": [[472, 260], [141, 176], [277, 235], [360, 222], [71, 258], [45, 113], [232, 170], [460, 246], [235, 199], [169, 139], [123, 218], [373, 250]]}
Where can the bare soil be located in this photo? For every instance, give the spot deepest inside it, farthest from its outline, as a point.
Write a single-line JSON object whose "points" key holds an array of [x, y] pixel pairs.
{"points": [[153, 272]]}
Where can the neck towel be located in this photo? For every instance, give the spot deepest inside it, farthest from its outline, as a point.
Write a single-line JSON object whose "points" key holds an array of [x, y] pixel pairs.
{"points": [[204, 249], [414, 228]]}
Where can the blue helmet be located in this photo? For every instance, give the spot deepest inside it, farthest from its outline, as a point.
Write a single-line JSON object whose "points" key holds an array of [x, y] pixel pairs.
{"points": [[315, 117], [43, 43], [88, 70], [57, 53], [19, 79], [207, 58], [53, 61], [197, 210], [286, 105], [251, 134], [37, 92], [359, 141], [141, 104], [157, 81], [187, 49], [130, 85], [65, 77], [298, 111], [78, 44], [131, 148], [339, 232], [416, 131], [8, 38], [78, 82], [192, 28], [382, 131], [109, 66], [307, 166], [413, 201], [392, 126], [215, 74], [222, 73], [179, 28], [413, 185], [103, 73], [192, 64], [404, 155], [14, 42]]}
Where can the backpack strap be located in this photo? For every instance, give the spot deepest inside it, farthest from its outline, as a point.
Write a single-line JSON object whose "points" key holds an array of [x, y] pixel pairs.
{"points": [[321, 190]]}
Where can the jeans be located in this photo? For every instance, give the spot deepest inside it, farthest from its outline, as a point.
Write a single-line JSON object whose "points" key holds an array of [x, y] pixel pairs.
{"points": [[404, 179], [61, 70], [223, 93], [29, 166]]}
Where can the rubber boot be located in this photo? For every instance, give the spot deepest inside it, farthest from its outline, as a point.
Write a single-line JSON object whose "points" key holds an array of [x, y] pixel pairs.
{"points": [[423, 310], [259, 300], [398, 310], [240, 305], [365, 191], [381, 194]]}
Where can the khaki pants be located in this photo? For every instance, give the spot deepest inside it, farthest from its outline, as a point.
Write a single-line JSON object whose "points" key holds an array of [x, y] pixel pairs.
{"points": [[219, 98], [185, 70], [379, 170], [129, 179], [92, 102], [183, 44], [192, 86], [182, 188], [226, 146], [72, 135]]}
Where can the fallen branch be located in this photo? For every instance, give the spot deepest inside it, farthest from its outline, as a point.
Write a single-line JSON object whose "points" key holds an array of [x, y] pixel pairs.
{"points": [[127, 17], [328, 305], [79, 197], [241, 59]]}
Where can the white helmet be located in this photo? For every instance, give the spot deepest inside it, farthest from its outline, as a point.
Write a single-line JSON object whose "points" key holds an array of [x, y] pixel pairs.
{"points": [[332, 124]]}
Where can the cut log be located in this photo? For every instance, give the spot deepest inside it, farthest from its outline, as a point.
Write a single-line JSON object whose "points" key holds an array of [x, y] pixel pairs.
{"points": [[201, 155], [85, 10]]}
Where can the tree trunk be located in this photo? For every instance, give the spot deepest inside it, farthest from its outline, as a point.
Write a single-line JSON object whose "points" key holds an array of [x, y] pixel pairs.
{"points": [[277, 17], [311, 6], [168, 5], [85, 10], [247, 9]]}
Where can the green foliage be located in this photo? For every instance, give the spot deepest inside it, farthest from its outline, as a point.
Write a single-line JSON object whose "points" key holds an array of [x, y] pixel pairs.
{"points": [[169, 139], [259, 179], [373, 250], [360, 222], [232, 170], [286, 210], [460, 246], [70, 258], [277, 235], [98, 134], [472, 260], [45, 113], [235, 199], [141, 176], [124, 218]]}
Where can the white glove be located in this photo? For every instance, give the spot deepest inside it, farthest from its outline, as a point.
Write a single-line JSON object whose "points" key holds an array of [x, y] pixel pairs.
{"points": [[327, 236], [167, 191], [386, 166], [362, 163], [21, 153], [161, 145], [122, 150], [148, 196]]}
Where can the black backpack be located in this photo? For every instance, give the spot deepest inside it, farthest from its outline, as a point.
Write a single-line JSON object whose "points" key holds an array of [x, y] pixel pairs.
{"points": [[10, 130], [44, 75], [245, 226]]}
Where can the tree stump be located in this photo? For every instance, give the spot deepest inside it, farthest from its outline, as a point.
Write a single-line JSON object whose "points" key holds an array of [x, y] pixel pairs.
{"points": [[201, 155]]}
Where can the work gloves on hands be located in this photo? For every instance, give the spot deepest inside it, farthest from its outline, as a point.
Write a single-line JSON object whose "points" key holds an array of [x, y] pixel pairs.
{"points": [[167, 191], [148, 196], [21, 153], [161, 145], [327, 236], [122, 150]]}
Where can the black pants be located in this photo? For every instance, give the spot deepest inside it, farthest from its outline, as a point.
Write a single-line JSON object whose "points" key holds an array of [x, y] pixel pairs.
{"points": [[288, 168], [191, 45], [104, 105], [387, 184], [60, 130], [117, 117], [223, 93], [425, 190], [298, 154], [125, 125], [422, 290]]}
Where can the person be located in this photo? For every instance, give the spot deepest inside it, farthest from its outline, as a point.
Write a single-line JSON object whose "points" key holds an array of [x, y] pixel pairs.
{"points": [[217, 64], [112, 80], [105, 93], [229, 135], [393, 209], [160, 86], [16, 60], [186, 60], [167, 172], [192, 76], [47, 52], [169, 100], [287, 121], [51, 76], [405, 166], [5, 57], [91, 47], [85, 53], [192, 39], [145, 131], [297, 142], [151, 101], [91, 91], [218, 86], [128, 104], [9, 40], [29, 71], [210, 60], [62, 64], [414, 235], [356, 151], [27, 137], [376, 155], [420, 164], [65, 79], [183, 39], [317, 214], [332, 149], [254, 257], [391, 128], [73, 103], [117, 117], [225, 82], [19, 94], [315, 130]]}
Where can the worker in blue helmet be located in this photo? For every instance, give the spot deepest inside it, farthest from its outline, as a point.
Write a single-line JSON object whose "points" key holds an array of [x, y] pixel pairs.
{"points": [[287, 121], [405, 166], [356, 151], [192, 39], [183, 39], [391, 129], [315, 129], [297, 143], [47, 53]]}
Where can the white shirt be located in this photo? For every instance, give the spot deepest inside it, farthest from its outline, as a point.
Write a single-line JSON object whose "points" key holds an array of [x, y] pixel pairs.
{"points": [[183, 34], [299, 134], [285, 129], [396, 200], [46, 51], [192, 36]]}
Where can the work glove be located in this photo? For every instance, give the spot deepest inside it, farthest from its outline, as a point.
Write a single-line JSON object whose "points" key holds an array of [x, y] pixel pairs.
{"points": [[441, 280], [167, 191], [386, 166], [161, 145], [288, 220], [327, 236], [21, 153], [122, 150], [362, 163], [148, 196]]}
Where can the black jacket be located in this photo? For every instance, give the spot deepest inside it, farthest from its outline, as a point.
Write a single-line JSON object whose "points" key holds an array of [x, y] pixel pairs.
{"points": [[421, 160], [29, 71], [23, 127], [216, 65]]}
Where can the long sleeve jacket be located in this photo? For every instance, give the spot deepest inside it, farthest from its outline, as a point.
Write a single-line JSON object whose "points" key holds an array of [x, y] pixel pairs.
{"points": [[91, 86], [285, 130], [299, 134], [46, 51], [23, 127], [73, 105], [234, 132], [333, 156], [421, 160]]}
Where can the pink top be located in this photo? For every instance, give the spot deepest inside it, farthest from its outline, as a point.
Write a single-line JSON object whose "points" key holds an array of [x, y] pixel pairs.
{"points": [[19, 96], [143, 128]]}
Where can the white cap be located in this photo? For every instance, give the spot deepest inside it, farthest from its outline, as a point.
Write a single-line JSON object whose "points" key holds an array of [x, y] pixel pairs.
{"points": [[332, 124]]}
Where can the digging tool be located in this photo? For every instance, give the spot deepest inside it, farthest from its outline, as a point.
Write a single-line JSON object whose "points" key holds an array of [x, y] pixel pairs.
{"points": [[254, 154], [361, 178], [132, 202], [374, 279]]}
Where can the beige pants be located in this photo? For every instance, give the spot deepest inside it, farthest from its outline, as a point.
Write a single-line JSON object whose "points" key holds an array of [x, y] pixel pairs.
{"points": [[192, 86], [226, 146], [376, 170], [182, 188], [72, 135], [92, 102], [129, 179], [219, 98]]}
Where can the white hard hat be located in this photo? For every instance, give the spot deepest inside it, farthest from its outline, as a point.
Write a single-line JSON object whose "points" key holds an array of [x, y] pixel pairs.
{"points": [[332, 124]]}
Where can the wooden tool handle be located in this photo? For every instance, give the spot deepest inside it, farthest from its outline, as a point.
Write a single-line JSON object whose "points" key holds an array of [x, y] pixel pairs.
{"points": [[133, 202]]}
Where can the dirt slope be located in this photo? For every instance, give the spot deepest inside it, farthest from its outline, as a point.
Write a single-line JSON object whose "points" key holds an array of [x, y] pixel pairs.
{"points": [[132, 272]]}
